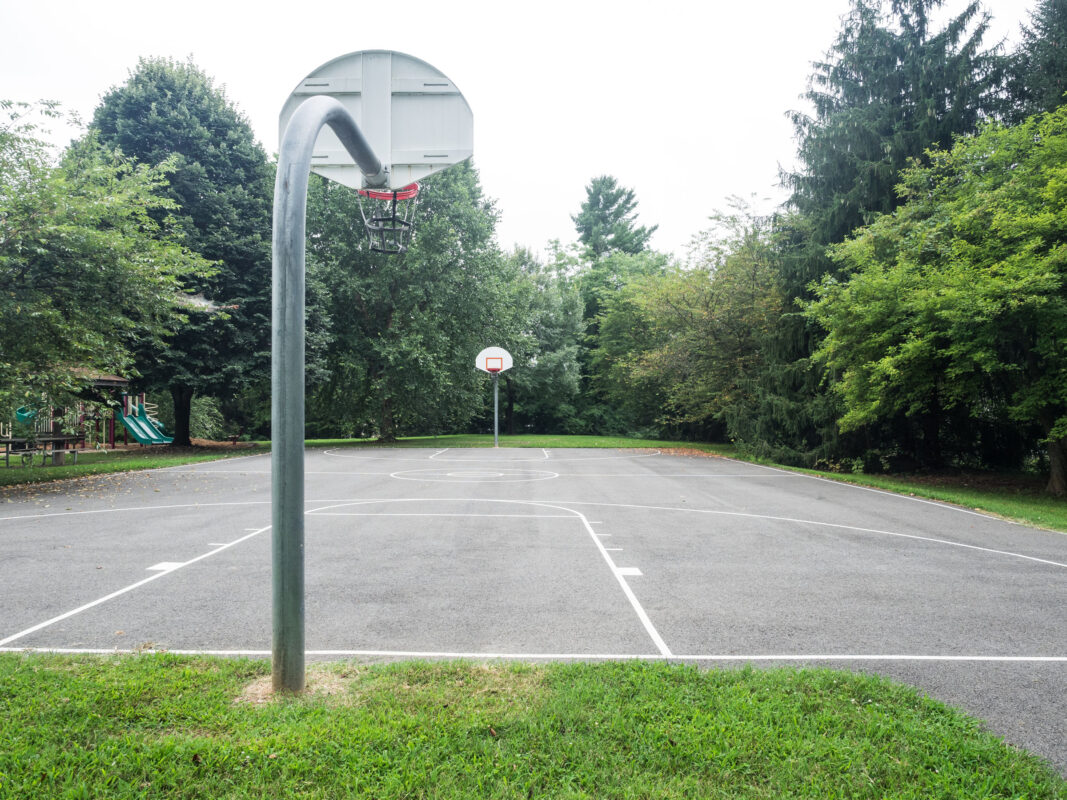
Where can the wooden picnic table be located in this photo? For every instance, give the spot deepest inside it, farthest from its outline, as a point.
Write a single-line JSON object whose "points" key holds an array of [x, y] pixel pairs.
{"points": [[47, 447]]}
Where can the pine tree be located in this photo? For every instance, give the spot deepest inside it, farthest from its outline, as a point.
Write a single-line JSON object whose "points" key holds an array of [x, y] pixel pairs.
{"points": [[607, 220], [1039, 68], [889, 88]]}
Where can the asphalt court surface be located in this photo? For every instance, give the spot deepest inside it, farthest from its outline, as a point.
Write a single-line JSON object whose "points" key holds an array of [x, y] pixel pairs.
{"points": [[538, 554]]}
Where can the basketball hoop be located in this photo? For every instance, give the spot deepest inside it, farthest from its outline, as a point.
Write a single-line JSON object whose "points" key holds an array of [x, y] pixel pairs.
{"points": [[389, 227]]}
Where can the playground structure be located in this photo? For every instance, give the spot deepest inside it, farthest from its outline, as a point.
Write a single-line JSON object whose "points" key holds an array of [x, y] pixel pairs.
{"points": [[139, 418], [40, 429]]}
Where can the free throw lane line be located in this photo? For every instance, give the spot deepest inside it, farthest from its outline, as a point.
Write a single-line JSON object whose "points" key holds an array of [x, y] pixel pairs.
{"points": [[620, 575]]}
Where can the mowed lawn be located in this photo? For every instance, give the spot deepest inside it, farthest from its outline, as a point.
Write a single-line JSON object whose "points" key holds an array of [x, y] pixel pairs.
{"points": [[163, 726]]}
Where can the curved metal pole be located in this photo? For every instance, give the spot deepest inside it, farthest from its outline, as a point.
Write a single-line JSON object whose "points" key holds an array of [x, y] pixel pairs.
{"points": [[287, 370]]}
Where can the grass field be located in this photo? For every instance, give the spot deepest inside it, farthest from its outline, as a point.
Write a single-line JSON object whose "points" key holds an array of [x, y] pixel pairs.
{"points": [[102, 462], [157, 726]]}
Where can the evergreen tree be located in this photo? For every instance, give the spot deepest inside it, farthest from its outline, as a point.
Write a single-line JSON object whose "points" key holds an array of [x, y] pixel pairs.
{"points": [[223, 185], [1039, 67], [607, 220], [958, 300], [890, 88]]}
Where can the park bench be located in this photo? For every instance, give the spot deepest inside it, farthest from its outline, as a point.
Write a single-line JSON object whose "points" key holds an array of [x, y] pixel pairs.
{"points": [[24, 451]]}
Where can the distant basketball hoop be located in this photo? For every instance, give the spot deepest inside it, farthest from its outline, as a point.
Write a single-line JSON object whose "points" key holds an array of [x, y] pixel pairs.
{"points": [[494, 360], [389, 230]]}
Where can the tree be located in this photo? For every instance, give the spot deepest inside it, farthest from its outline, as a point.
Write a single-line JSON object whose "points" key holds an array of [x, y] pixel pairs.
{"points": [[541, 393], [406, 328], [607, 220], [890, 87], [693, 339], [959, 298], [597, 282], [222, 184], [1038, 74], [85, 267]]}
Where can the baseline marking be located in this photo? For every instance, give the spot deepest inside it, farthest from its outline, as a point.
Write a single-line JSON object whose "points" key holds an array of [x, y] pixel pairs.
{"points": [[825, 525], [938, 503], [416, 654]]}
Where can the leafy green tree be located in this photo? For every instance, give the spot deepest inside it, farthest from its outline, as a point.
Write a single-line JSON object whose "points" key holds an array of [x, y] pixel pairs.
{"points": [[1039, 67], [597, 281], [891, 85], [693, 339], [959, 298], [406, 329], [541, 392], [607, 220], [89, 263], [222, 184]]}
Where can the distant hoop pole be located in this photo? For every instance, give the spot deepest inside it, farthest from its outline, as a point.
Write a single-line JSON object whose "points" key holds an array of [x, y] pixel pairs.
{"points": [[287, 369], [496, 408]]}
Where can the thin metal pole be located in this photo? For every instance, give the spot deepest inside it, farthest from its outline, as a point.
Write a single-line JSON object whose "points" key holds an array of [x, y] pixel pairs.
{"points": [[287, 370], [496, 409]]}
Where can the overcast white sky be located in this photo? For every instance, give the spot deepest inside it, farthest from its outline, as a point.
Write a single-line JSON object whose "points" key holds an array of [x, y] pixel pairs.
{"points": [[684, 102]]}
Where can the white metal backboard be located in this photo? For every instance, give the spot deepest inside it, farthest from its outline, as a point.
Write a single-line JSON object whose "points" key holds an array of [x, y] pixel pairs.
{"points": [[493, 358], [414, 117]]}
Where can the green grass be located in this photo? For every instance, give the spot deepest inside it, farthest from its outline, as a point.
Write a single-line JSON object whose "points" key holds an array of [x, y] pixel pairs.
{"points": [[158, 726], [100, 462], [1019, 500]]}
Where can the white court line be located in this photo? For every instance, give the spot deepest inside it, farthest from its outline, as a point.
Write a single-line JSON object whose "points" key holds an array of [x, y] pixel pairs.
{"points": [[474, 655], [571, 502], [887, 493], [432, 457], [431, 514], [168, 507], [178, 466], [825, 525], [337, 452], [125, 590], [650, 629]]}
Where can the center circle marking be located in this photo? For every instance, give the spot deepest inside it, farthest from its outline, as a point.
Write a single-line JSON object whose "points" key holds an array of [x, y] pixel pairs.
{"points": [[474, 476]]}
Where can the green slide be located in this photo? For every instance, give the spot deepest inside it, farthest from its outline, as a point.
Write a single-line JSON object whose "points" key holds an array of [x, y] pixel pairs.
{"points": [[143, 428]]}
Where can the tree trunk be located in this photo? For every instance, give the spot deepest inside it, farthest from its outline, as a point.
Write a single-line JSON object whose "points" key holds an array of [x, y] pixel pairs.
{"points": [[509, 409], [183, 406], [386, 427], [931, 425], [1057, 461]]}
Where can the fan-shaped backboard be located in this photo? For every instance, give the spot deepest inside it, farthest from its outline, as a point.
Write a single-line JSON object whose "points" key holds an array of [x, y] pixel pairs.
{"points": [[413, 116]]}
